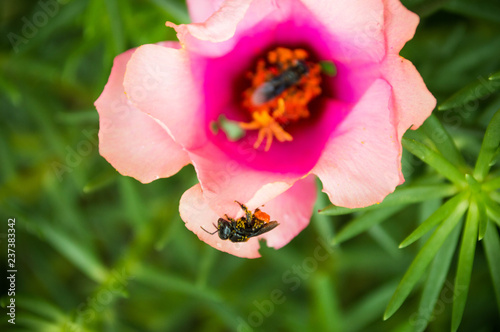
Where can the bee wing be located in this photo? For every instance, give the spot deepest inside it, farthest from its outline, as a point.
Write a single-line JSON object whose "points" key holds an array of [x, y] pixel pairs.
{"points": [[264, 229]]}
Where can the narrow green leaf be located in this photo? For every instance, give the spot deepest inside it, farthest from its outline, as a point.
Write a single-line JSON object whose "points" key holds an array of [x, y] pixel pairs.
{"points": [[495, 76], [489, 9], [385, 240], [465, 262], [173, 9], [103, 179], [492, 209], [369, 308], [491, 244], [483, 217], [76, 253], [153, 277], [435, 280], [115, 21], [433, 128], [475, 90], [435, 160], [440, 214], [401, 196], [422, 260], [364, 222], [326, 310], [490, 144]]}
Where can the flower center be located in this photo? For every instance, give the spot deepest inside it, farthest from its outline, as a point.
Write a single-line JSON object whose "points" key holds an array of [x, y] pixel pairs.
{"points": [[281, 87]]}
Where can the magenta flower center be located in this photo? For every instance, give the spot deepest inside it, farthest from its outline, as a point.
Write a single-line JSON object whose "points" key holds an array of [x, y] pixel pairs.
{"points": [[282, 86]]}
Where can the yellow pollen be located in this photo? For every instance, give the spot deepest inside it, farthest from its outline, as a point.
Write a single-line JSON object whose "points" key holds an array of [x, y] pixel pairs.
{"points": [[281, 88]]}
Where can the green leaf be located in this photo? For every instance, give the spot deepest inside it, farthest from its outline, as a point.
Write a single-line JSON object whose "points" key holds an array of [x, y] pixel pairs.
{"points": [[435, 280], [75, 252], [103, 179], [173, 9], [422, 260], [440, 214], [488, 9], [384, 240], [490, 144], [401, 196], [360, 224], [326, 310], [483, 217], [492, 209], [433, 128], [476, 90], [495, 76], [369, 308], [435, 160], [465, 262], [492, 184], [115, 21], [491, 244]]}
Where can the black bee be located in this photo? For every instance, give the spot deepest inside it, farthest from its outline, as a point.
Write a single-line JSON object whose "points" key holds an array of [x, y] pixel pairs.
{"points": [[276, 85], [240, 230]]}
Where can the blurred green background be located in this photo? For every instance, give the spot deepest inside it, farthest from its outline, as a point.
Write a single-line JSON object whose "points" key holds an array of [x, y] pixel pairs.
{"points": [[96, 251]]}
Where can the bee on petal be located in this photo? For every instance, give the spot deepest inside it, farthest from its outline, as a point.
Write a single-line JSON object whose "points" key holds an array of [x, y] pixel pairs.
{"points": [[240, 230]]}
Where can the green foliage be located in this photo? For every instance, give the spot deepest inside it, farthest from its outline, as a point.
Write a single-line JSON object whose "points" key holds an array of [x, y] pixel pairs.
{"points": [[97, 251]]}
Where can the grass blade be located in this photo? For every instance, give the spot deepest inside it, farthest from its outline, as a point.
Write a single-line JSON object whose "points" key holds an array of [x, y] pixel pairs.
{"points": [[492, 209], [364, 222], [435, 160], [422, 260], [490, 144], [435, 280], [465, 263], [440, 214], [473, 91], [76, 253], [369, 308], [483, 218], [433, 128], [495, 76], [492, 184], [401, 196], [491, 244]]}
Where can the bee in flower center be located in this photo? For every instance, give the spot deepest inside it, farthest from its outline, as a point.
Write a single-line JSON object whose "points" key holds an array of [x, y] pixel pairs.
{"points": [[240, 230], [278, 84], [282, 86]]}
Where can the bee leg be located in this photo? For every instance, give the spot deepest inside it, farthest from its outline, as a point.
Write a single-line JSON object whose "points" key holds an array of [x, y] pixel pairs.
{"points": [[209, 232], [248, 213]]}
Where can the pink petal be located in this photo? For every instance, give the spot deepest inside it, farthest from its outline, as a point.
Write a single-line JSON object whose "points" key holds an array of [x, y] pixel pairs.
{"points": [[357, 26], [225, 180], [400, 25], [130, 140], [219, 27], [201, 10], [412, 100], [361, 163], [158, 81], [292, 209]]}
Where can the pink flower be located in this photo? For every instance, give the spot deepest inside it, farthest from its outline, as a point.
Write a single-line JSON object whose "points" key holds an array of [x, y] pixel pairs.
{"points": [[258, 64]]}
